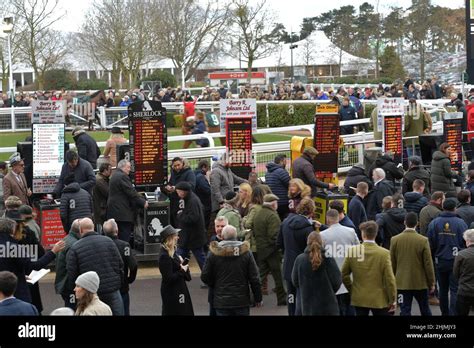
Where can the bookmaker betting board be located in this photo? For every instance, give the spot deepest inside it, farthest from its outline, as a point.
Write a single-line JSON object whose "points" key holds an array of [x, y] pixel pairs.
{"points": [[48, 156], [148, 144], [239, 145], [453, 136], [326, 140], [393, 136]]}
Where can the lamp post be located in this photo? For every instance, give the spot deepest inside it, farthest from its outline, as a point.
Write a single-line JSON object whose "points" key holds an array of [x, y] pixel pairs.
{"points": [[7, 29], [292, 47]]}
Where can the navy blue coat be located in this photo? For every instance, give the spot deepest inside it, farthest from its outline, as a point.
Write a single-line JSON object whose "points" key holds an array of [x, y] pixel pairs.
{"points": [[87, 149], [21, 267], [445, 234], [16, 307], [356, 212], [203, 189], [278, 179], [347, 113], [83, 173], [414, 202], [292, 240]]}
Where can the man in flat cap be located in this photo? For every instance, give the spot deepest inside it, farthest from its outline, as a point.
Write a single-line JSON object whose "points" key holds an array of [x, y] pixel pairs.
{"points": [[303, 168], [86, 146], [14, 183]]}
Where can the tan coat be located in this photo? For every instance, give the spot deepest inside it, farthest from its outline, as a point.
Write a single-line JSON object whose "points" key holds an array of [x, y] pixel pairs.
{"points": [[411, 261], [96, 307], [373, 284], [11, 187]]}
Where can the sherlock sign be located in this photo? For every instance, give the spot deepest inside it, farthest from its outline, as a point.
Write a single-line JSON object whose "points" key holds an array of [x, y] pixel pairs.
{"points": [[148, 144]]}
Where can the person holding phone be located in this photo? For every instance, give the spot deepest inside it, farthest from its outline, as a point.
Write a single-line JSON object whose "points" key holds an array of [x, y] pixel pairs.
{"points": [[175, 296]]}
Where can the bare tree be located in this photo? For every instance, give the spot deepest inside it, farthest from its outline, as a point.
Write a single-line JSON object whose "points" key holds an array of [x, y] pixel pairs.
{"points": [[258, 30], [115, 35], [308, 51], [187, 33], [39, 45]]}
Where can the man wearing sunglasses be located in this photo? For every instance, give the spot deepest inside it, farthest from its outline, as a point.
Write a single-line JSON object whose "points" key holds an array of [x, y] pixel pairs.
{"points": [[14, 183]]}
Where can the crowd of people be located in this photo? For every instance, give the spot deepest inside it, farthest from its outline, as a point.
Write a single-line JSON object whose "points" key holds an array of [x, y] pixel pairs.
{"points": [[404, 235], [284, 90]]}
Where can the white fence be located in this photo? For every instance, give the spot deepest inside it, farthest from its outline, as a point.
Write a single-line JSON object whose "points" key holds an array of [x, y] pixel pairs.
{"points": [[20, 118]]}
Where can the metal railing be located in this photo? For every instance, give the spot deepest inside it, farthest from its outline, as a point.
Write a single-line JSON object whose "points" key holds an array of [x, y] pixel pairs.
{"points": [[20, 119]]}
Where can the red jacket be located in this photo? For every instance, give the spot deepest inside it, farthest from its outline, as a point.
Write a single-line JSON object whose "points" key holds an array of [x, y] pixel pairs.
{"points": [[470, 121], [189, 108]]}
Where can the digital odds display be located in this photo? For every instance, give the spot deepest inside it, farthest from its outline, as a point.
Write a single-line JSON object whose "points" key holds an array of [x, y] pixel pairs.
{"points": [[148, 144]]}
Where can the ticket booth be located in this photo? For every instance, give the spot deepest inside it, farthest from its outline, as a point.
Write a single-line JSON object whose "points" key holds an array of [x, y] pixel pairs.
{"points": [[323, 200]]}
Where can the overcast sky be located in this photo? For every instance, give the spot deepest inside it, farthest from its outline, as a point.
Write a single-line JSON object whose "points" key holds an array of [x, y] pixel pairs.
{"points": [[290, 12]]}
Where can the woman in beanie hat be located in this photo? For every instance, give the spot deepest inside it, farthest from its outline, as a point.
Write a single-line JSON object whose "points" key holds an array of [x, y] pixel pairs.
{"points": [[174, 276], [88, 303]]}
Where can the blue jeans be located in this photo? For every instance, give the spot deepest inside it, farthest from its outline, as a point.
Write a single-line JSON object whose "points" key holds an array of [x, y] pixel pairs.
{"points": [[114, 301], [198, 254], [448, 287], [345, 308], [406, 299], [126, 304], [233, 312]]}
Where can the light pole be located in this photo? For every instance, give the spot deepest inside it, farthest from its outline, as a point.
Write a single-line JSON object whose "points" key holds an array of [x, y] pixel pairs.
{"points": [[292, 47], [7, 28]]}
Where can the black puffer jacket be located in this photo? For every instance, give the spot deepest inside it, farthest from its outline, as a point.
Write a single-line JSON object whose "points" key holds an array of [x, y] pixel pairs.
{"points": [[99, 254], [230, 274], [392, 172], [414, 202], [442, 175], [87, 149], [278, 179], [355, 175], [76, 203], [391, 223]]}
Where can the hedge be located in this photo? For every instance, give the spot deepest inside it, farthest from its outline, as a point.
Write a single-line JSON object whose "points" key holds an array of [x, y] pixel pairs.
{"points": [[282, 115]]}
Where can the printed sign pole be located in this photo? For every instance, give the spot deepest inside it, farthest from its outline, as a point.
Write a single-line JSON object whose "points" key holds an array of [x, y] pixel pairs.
{"points": [[48, 111], [238, 108], [48, 156]]}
